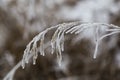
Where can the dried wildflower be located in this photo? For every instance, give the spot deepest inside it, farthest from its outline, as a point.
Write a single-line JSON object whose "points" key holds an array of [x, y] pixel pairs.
{"points": [[57, 41], [101, 31]]}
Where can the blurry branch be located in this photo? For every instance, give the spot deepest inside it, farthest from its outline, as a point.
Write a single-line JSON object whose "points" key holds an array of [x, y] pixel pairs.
{"points": [[10, 22], [12, 27]]}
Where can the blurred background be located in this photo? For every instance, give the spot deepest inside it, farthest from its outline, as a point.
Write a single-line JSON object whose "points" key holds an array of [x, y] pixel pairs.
{"points": [[21, 20]]}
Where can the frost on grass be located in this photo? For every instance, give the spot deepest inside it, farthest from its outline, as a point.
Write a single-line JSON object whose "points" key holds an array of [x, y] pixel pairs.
{"points": [[57, 43], [101, 31], [37, 45]]}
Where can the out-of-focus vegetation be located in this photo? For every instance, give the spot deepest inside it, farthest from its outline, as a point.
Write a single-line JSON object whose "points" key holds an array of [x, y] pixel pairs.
{"points": [[21, 20]]}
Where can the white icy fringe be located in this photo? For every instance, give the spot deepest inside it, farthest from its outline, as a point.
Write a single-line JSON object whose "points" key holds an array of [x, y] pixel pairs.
{"points": [[10, 75], [57, 43], [101, 31]]}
